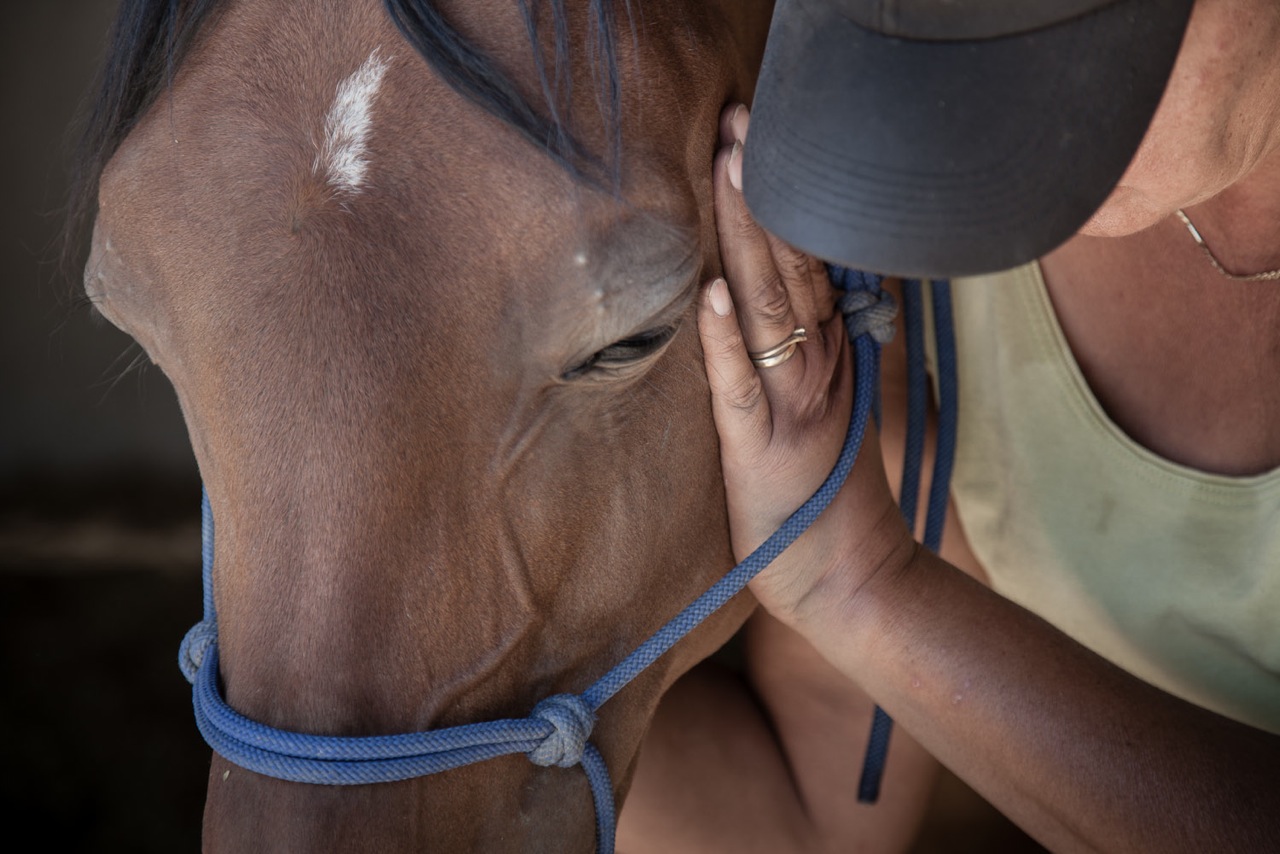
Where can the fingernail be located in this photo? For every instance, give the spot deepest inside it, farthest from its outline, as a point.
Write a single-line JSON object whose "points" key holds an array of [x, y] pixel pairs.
{"points": [[719, 298], [739, 121], [735, 167]]}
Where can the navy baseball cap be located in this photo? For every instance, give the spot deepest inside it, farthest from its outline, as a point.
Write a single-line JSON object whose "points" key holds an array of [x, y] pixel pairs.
{"points": [[950, 137]]}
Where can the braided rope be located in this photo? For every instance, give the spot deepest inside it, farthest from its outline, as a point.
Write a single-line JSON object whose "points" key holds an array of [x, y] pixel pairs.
{"points": [[869, 314], [877, 754]]}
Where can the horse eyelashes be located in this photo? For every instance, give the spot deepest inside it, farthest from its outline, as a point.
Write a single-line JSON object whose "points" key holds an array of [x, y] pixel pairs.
{"points": [[637, 346], [624, 353]]}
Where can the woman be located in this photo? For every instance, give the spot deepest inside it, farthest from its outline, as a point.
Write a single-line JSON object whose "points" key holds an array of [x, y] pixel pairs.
{"points": [[1164, 373]]}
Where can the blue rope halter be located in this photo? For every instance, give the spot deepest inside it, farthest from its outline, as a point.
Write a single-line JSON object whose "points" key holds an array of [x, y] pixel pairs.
{"points": [[913, 463], [558, 728]]}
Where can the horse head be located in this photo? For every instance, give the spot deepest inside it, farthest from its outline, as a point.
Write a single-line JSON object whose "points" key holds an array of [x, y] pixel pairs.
{"points": [[442, 381]]}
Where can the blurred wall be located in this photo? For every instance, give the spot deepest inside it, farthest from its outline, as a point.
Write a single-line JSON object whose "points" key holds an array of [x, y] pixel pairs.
{"points": [[70, 405]]}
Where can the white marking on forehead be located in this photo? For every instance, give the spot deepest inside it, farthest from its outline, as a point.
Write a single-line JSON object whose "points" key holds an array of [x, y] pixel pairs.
{"points": [[580, 258], [344, 155]]}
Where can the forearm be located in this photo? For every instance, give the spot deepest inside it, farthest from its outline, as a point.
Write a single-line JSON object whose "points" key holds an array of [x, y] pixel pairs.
{"points": [[821, 721], [709, 776], [1079, 753], [769, 760]]}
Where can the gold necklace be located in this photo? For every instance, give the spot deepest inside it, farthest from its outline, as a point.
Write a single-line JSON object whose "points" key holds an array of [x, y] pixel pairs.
{"points": [[1268, 276]]}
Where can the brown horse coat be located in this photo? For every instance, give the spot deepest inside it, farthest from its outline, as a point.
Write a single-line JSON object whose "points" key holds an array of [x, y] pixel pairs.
{"points": [[446, 399]]}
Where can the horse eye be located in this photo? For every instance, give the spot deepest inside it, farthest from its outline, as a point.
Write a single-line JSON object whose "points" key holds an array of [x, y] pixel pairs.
{"points": [[624, 353]]}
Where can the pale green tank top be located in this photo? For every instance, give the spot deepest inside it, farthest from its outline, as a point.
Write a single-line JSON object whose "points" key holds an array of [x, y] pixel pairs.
{"points": [[1169, 572]]}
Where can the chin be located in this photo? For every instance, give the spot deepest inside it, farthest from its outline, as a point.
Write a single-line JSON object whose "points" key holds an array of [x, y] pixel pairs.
{"points": [[1126, 211]]}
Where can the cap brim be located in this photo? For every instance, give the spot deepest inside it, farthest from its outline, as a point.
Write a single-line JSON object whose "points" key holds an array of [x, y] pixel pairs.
{"points": [[949, 158]]}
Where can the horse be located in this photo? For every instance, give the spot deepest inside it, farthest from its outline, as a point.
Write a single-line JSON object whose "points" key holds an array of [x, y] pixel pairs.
{"points": [[422, 276]]}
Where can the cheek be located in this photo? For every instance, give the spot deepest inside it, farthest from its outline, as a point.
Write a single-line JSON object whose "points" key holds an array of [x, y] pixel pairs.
{"points": [[1185, 158], [1160, 168], [1124, 212], [1140, 200]]}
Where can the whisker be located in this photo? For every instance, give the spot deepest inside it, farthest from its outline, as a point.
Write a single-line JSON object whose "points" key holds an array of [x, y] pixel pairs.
{"points": [[138, 359], [666, 395], [76, 306]]}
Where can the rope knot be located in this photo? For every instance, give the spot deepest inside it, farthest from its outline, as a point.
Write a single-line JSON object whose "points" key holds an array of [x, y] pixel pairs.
{"points": [[869, 313], [571, 722], [195, 645]]}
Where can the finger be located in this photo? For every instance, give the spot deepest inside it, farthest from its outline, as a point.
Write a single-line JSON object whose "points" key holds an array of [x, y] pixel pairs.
{"points": [[806, 281], [765, 314], [838, 353], [805, 277], [738, 400], [733, 124], [824, 386]]}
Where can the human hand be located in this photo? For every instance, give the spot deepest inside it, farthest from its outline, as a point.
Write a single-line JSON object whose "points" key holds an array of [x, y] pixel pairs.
{"points": [[781, 427]]}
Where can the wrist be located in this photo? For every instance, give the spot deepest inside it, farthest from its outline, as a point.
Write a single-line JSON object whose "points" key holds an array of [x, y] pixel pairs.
{"points": [[854, 566]]}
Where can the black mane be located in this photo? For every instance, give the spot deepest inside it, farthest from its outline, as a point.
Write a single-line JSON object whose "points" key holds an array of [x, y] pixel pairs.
{"points": [[151, 37], [480, 79]]}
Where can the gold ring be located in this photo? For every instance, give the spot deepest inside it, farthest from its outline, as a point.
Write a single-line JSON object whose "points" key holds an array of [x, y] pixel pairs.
{"points": [[779, 354]]}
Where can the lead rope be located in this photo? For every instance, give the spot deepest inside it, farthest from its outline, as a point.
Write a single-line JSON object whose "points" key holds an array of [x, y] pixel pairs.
{"points": [[558, 729], [913, 462]]}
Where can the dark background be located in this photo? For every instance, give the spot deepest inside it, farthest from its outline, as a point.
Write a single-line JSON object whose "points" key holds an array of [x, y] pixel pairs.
{"points": [[99, 539], [99, 536]]}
